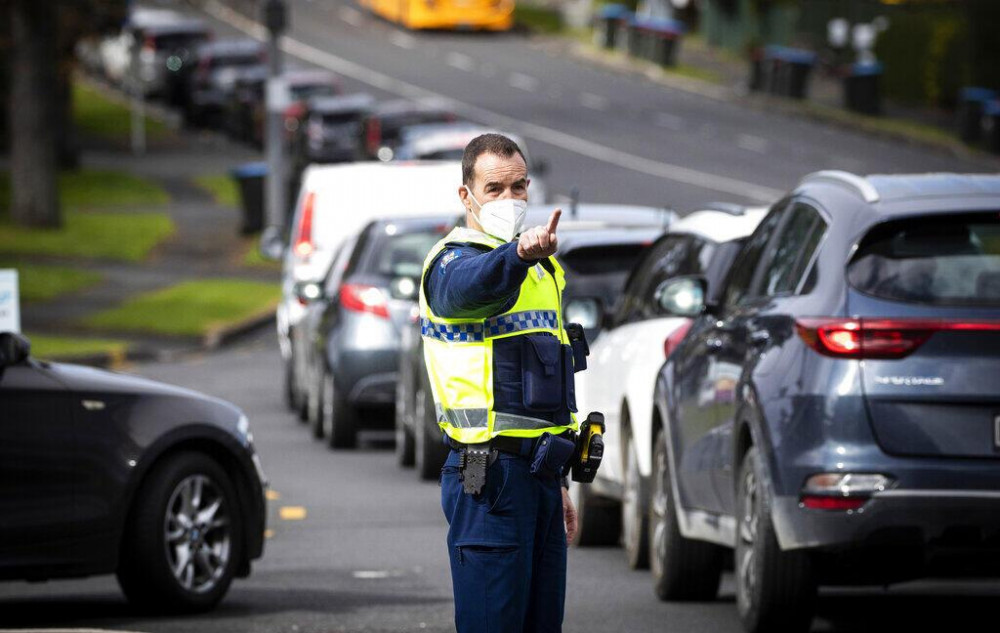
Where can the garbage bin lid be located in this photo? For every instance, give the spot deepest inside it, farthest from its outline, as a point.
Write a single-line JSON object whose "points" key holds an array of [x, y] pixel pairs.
{"points": [[977, 93], [790, 55], [867, 69], [613, 11], [250, 170]]}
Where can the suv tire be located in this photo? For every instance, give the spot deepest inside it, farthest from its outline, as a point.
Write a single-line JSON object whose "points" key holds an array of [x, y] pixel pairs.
{"points": [[775, 589], [683, 569]]}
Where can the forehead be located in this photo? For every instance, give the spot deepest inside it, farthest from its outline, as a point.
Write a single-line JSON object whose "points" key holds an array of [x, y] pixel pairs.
{"points": [[492, 168]]}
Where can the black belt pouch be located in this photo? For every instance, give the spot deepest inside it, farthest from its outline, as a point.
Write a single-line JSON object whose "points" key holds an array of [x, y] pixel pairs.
{"points": [[542, 372]]}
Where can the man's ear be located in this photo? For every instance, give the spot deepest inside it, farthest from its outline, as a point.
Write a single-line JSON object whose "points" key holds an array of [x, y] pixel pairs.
{"points": [[463, 195]]}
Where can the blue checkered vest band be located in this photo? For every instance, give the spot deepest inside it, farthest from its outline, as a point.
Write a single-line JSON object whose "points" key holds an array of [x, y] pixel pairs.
{"points": [[459, 352]]}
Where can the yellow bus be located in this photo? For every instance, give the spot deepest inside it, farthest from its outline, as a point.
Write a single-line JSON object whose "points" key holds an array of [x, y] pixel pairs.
{"points": [[488, 15]]}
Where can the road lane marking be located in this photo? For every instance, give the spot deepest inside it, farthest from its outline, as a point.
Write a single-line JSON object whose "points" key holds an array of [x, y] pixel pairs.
{"points": [[753, 143], [669, 121], [377, 574], [523, 82], [563, 140], [351, 16], [292, 513], [272, 495], [594, 102], [402, 40], [460, 61]]}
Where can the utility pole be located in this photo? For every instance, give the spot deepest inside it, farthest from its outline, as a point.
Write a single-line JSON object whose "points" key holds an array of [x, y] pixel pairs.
{"points": [[276, 21]]}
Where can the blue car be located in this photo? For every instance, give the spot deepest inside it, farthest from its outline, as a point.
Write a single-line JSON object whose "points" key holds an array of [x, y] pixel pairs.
{"points": [[835, 418]]}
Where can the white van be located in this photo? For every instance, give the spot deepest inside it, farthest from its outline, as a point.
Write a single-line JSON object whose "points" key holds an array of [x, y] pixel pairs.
{"points": [[336, 201]]}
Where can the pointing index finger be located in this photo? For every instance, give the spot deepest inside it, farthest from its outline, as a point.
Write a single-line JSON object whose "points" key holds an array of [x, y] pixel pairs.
{"points": [[553, 221]]}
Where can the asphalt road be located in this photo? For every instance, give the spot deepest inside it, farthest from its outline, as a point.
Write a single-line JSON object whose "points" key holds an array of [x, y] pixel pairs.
{"points": [[618, 137], [361, 548]]}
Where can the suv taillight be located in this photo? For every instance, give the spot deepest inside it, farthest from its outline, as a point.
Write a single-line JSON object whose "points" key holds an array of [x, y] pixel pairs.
{"points": [[374, 136], [877, 338], [362, 298], [303, 247], [675, 338]]}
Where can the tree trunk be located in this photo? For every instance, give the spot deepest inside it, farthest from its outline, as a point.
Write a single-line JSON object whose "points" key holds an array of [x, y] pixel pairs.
{"points": [[33, 115]]}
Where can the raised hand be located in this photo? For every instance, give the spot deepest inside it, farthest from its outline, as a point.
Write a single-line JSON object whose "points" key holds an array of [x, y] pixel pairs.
{"points": [[540, 242]]}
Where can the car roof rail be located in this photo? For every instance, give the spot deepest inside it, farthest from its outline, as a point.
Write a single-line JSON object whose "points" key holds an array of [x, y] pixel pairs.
{"points": [[725, 207], [855, 183]]}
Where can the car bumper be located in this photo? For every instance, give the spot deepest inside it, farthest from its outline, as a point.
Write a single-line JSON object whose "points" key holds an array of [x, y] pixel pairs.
{"points": [[369, 377], [924, 516]]}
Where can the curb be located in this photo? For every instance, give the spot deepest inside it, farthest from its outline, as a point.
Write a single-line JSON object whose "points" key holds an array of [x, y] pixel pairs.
{"points": [[214, 340]]}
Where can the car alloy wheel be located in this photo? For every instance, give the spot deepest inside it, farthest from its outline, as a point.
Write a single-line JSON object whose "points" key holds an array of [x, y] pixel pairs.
{"points": [[197, 534], [749, 520]]}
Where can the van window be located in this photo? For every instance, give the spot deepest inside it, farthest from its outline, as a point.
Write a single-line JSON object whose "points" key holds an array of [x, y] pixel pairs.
{"points": [[945, 260]]}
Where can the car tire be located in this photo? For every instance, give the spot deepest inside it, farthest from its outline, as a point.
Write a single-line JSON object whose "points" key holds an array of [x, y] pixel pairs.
{"points": [[404, 429], [635, 523], [289, 387], [430, 451], [159, 535], [318, 409], [775, 589], [339, 419], [683, 569], [598, 520]]}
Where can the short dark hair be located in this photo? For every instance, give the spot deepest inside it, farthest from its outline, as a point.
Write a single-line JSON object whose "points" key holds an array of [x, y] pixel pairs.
{"points": [[490, 143]]}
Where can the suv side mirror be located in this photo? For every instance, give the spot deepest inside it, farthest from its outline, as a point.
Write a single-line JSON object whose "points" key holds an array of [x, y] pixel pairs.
{"points": [[682, 296], [405, 288], [14, 349], [308, 291], [587, 311], [272, 244]]}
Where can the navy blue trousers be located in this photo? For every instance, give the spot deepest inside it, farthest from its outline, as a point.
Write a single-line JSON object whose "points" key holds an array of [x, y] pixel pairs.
{"points": [[508, 549]]}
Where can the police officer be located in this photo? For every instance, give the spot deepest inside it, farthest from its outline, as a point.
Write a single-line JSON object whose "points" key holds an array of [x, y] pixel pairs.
{"points": [[501, 371]]}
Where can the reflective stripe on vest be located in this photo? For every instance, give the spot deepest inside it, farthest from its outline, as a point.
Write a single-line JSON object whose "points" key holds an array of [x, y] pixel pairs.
{"points": [[459, 352]]}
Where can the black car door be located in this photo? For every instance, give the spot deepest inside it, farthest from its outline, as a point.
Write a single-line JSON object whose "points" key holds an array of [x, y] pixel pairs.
{"points": [[37, 474], [759, 323], [706, 371]]}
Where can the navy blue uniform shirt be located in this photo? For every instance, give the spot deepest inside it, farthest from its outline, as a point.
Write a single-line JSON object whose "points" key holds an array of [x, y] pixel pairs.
{"points": [[466, 281]]}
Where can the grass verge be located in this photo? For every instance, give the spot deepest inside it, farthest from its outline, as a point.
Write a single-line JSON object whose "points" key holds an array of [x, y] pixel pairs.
{"points": [[537, 18], [253, 259], [49, 347], [122, 236], [222, 189], [96, 189], [110, 119], [191, 308], [41, 283]]}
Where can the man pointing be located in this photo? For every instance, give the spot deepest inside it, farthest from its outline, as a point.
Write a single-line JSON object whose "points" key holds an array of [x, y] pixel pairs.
{"points": [[501, 370]]}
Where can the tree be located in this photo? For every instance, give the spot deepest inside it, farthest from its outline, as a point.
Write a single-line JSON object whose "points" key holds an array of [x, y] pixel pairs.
{"points": [[43, 35]]}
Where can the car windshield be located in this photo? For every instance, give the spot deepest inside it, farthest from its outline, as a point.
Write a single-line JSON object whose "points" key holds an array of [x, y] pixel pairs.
{"points": [[175, 41], [947, 260], [340, 118], [232, 61], [400, 252], [604, 258], [301, 93], [445, 154]]}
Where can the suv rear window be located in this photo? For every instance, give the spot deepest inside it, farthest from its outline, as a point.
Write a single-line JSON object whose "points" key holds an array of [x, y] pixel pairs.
{"points": [[598, 260], [402, 254], [946, 260]]}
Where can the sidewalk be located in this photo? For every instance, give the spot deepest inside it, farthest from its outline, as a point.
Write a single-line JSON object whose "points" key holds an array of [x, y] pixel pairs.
{"points": [[206, 244]]}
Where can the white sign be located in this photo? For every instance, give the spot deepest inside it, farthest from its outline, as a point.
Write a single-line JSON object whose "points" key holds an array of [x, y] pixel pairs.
{"points": [[278, 96], [10, 305]]}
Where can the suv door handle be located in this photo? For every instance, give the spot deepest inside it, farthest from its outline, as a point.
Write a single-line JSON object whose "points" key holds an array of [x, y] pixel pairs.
{"points": [[759, 338]]}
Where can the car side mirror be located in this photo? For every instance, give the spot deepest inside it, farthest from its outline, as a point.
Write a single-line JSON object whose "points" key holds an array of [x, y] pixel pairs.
{"points": [[587, 311], [308, 291], [404, 288], [682, 296], [272, 244], [14, 349]]}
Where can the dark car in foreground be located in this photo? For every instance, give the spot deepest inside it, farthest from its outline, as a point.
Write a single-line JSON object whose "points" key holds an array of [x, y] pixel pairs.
{"points": [[107, 473], [353, 324], [835, 419], [598, 246]]}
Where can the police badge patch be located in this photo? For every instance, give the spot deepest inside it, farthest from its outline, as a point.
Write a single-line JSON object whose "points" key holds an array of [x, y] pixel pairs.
{"points": [[448, 258]]}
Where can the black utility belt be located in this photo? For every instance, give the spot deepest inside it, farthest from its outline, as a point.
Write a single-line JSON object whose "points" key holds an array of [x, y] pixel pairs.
{"points": [[549, 456]]}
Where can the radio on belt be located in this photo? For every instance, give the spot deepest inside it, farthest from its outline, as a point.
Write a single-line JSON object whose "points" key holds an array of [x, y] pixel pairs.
{"points": [[590, 448]]}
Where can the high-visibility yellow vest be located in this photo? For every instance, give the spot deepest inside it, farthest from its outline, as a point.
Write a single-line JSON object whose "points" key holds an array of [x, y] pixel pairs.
{"points": [[459, 352]]}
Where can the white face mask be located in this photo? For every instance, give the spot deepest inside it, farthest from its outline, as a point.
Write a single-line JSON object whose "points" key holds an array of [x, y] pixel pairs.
{"points": [[500, 218]]}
